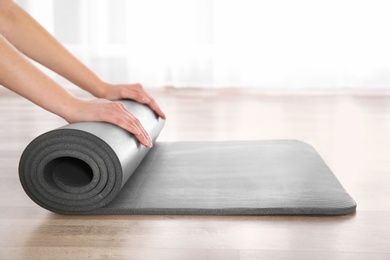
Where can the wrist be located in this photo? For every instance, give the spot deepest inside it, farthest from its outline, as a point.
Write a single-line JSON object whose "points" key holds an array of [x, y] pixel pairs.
{"points": [[70, 108], [101, 89]]}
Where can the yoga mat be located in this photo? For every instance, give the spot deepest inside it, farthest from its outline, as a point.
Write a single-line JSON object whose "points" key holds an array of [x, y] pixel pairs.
{"points": [[98, 168]]}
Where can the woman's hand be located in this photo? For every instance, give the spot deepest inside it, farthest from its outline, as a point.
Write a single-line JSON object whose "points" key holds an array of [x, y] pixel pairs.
{"points": [[102, 110], [131, 91], [21, 76]]}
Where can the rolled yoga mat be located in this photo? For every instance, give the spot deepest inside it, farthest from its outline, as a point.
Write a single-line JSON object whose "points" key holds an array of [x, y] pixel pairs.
{"points": [[99, 168]]}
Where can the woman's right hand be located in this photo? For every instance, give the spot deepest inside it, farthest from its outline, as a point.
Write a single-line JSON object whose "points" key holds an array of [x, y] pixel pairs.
{"points": [[103, 110]]}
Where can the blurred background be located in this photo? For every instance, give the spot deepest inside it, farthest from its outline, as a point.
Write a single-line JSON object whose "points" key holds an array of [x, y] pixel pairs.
{"points": [[278, 44]]}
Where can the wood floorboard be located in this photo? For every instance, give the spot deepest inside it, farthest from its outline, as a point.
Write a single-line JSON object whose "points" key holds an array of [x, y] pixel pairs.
{"points": [[349, 130]]}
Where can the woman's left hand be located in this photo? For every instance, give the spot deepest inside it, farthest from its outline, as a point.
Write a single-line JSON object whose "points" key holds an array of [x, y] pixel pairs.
{"points": [[134, 92]]}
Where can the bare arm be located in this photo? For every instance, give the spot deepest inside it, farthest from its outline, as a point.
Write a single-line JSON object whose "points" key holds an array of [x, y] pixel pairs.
{"points": [[30, 38], [22, 34], [21, 76], [34, 41]]}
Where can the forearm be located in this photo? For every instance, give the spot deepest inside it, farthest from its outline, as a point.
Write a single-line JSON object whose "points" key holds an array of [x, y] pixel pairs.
{"points": [[29, 37], [21, 76]]}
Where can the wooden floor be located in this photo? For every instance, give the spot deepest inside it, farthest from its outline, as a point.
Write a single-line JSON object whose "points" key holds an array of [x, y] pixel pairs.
{"points": [[350, 130]]}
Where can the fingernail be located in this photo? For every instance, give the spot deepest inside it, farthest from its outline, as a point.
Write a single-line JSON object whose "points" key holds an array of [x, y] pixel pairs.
{"points": [[150, 142]]}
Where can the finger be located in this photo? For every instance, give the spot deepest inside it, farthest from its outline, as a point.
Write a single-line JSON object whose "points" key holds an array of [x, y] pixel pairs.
{"points": [[155, 106], [118, 115], [142, 135], [143, 97], [136, 96], [135, 92], [130, 125]]}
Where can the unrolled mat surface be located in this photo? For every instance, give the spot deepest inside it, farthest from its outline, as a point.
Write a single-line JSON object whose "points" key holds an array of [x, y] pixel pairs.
{"points": [[98, 168]]}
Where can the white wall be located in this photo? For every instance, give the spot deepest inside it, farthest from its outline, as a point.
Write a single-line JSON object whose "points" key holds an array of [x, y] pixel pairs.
{"points": [[259, 43]]}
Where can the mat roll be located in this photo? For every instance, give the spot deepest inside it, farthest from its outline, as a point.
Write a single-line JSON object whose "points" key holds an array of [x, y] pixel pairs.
{"points": [[81, 167], [99, 168]]}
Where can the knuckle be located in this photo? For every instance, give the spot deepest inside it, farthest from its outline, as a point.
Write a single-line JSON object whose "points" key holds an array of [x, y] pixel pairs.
{"points": [[139, 97], [139, 86], [115, 105], [117, 121]]}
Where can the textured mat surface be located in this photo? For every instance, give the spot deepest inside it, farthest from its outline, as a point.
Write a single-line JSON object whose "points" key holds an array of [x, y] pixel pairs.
{"points": [[97, 168]]}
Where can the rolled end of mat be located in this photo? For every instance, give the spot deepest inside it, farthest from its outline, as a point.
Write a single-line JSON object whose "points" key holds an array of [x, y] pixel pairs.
{"points": [[81, 167], [70, 171]]}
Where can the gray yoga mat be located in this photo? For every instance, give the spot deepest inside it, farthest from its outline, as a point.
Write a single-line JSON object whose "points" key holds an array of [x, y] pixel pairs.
{"points": [[98, 168]]}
